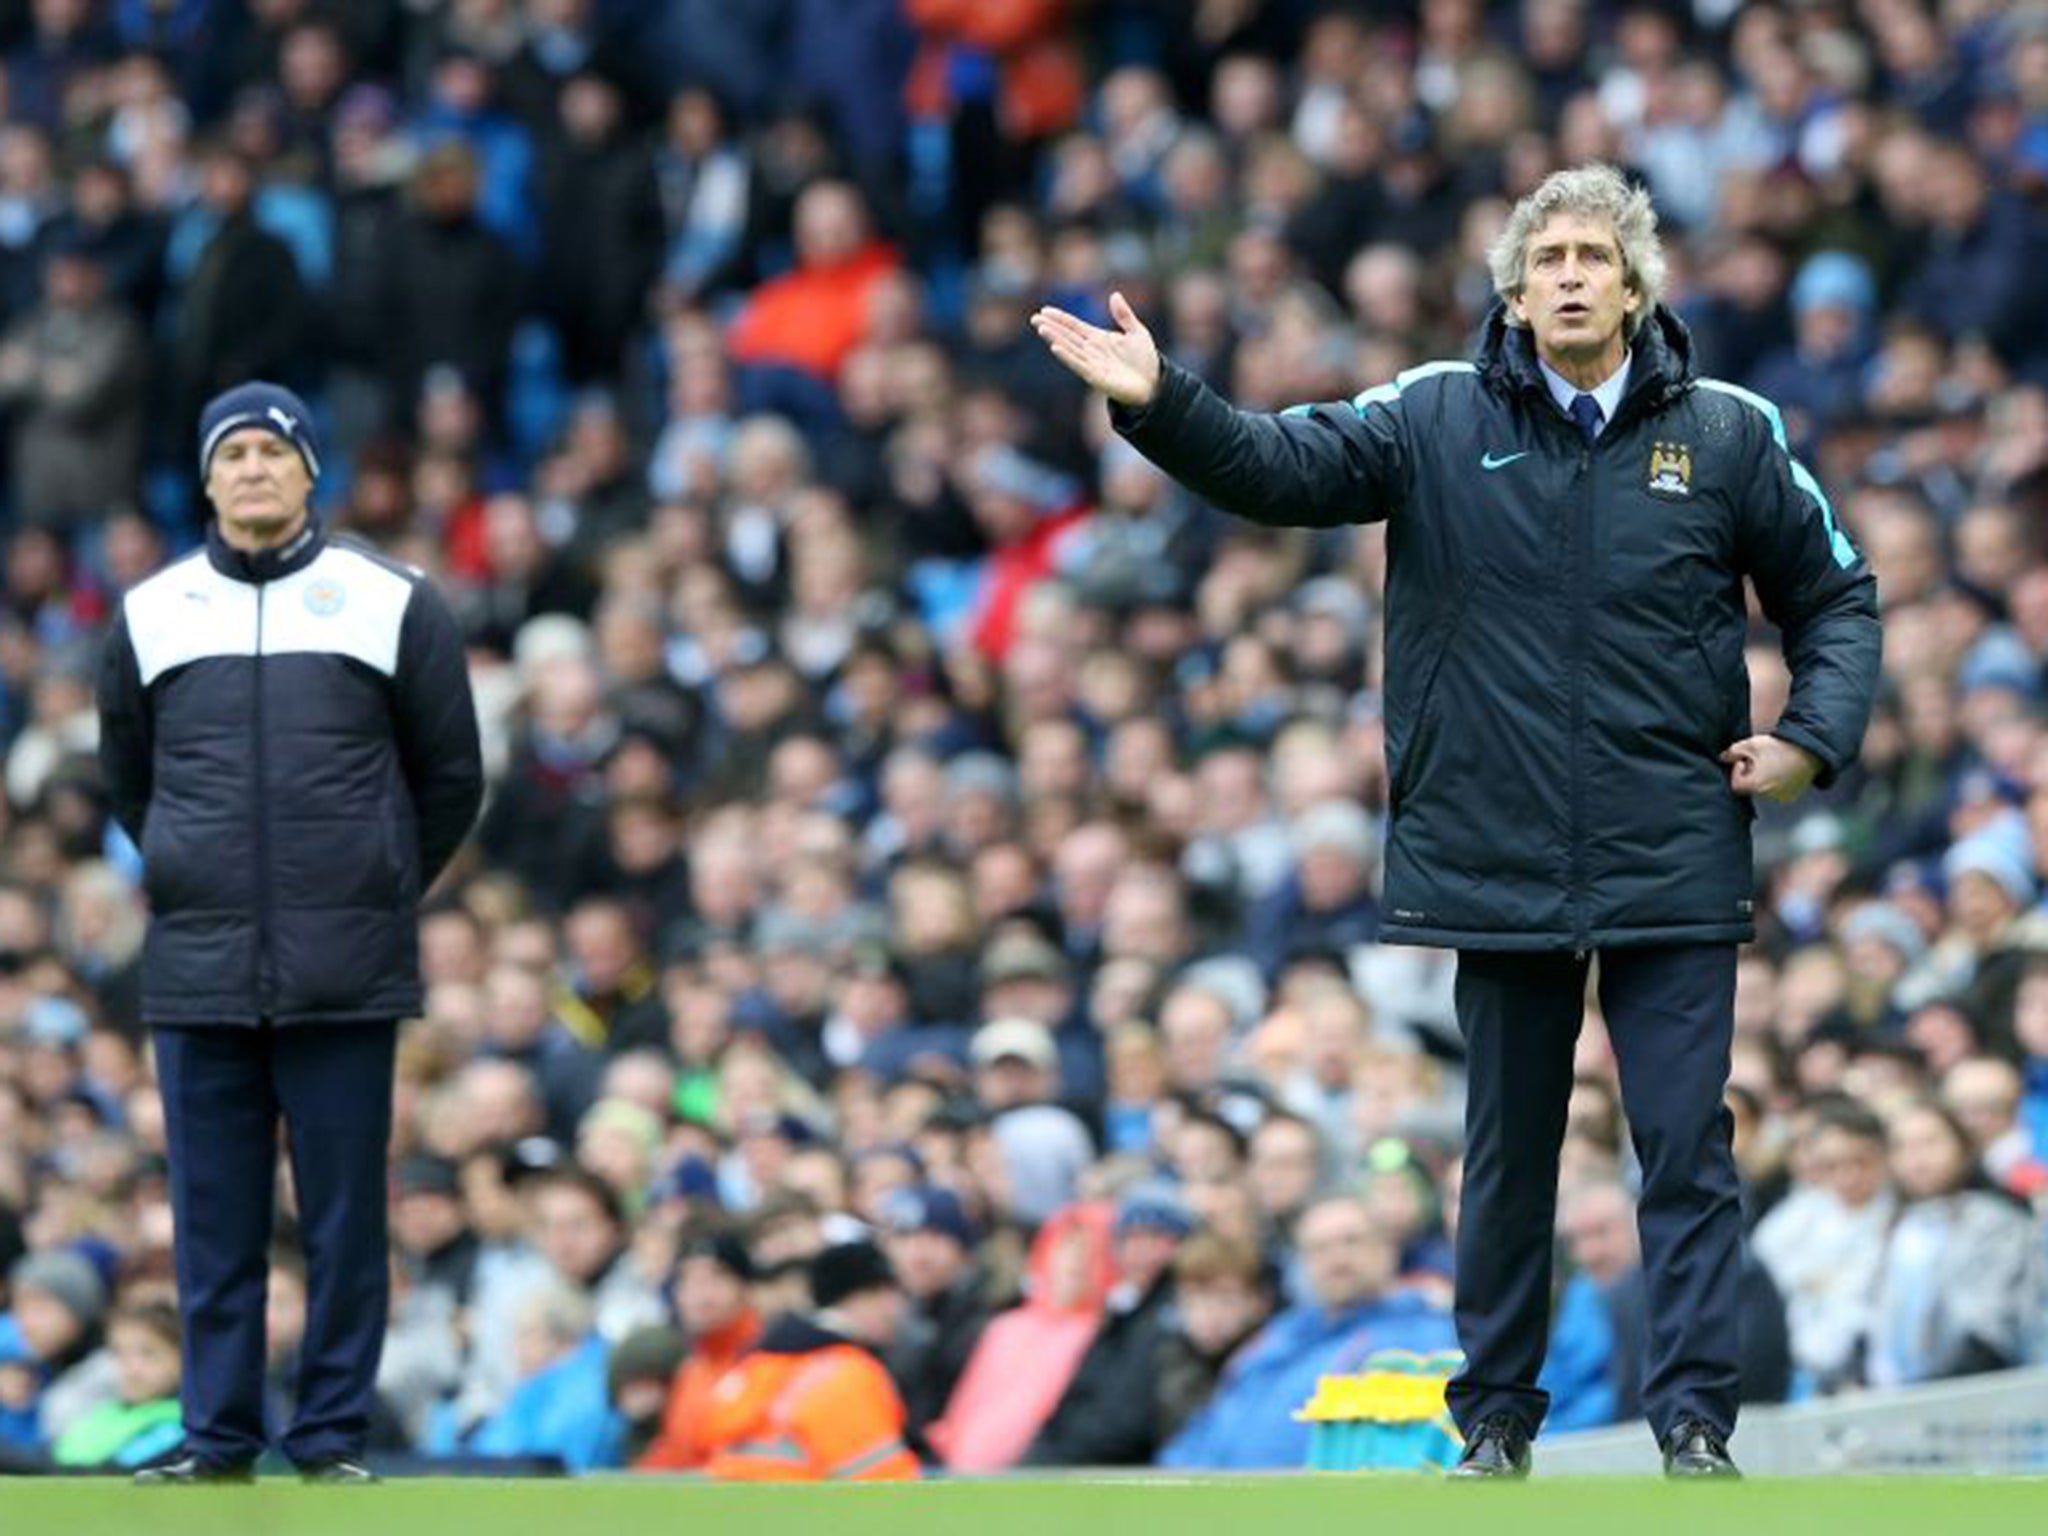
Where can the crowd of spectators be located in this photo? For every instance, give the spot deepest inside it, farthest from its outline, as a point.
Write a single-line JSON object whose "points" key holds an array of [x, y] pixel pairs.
{"points": [[913, 815]]}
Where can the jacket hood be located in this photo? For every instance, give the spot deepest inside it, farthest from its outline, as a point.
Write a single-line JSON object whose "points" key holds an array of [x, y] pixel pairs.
{"points": [[1664, 362]]}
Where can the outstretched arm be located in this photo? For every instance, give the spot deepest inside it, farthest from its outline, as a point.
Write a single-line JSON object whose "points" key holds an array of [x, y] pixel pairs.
{"points": [[1309, 466]]}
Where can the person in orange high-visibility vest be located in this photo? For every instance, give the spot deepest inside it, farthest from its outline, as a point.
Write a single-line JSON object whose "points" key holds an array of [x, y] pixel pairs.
{"points": [[712, 1291], [813, 1402]]}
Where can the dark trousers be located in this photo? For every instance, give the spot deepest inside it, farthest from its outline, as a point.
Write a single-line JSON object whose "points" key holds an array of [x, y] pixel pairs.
{"points": [[1670, 1013], [225, 1091]]}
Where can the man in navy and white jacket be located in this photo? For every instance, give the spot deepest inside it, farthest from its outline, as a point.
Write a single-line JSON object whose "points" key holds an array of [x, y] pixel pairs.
{"points": [[287, 731]]}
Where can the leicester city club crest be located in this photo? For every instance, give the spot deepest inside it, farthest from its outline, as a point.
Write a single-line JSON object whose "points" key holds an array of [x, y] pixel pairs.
{"points": [[325, 598], [1671, 469]]}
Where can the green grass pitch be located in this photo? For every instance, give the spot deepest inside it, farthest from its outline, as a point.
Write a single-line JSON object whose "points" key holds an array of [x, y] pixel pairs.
{"points": [[1304, 1505]]}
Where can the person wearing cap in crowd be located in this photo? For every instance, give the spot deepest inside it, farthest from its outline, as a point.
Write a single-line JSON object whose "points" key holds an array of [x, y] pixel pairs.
{"points": [[1530, 653], [1024, 975], [637, 1378], [930, 1240], [1043, 1147], [1102, 1419], [430, 1229], [814, 1403], [60, 1300], [1990, 883], [1882, 943], [1818, 381], [287, 733], [711, 1291]]}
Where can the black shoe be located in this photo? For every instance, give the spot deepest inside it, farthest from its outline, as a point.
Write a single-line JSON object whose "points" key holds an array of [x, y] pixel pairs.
{"points": [[337, 1469], [1499, 1447], [194, 1469], [1697, 1449]]}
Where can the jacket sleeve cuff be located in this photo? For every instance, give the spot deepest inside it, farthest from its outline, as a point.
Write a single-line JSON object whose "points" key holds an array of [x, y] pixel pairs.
{"points": [[1169, 403], [1799, 736]]}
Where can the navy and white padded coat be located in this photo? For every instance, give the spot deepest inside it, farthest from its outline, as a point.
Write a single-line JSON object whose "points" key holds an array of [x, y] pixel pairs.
{"points": [[289, 737], [1565, 626]]}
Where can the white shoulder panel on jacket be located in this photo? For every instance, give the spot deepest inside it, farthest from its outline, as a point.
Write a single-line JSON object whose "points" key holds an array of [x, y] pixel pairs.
{"points": [[189, 612], [344, 603]]}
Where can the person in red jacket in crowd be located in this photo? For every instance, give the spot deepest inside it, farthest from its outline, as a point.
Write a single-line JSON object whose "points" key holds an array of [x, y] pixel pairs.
{"points": [[811, 317], [814, 1403], [712, 1290]]}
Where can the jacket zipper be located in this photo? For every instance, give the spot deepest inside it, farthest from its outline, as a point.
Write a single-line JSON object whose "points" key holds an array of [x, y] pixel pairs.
{"points": [[1580, 537], [262, 809]]}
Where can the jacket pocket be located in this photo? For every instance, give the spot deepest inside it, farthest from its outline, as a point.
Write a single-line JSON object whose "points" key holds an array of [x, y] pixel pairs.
{"points": [[1423, 732], [1727, 711], [1721, 729], [398, 863]]}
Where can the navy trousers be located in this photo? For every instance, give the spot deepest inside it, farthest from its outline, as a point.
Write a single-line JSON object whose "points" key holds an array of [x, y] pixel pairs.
{"points": [[1670, 1012], [225, 1091]]}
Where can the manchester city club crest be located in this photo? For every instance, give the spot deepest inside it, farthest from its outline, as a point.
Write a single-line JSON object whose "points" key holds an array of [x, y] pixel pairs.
{"points": [[1671, 469], [325, 598]]}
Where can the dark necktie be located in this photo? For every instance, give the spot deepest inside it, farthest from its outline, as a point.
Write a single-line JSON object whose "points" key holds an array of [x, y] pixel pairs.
{"points": [[1587, 413]]}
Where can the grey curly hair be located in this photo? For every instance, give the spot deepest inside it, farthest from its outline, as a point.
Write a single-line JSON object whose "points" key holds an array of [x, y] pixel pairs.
{"points": [[1594, 191]]}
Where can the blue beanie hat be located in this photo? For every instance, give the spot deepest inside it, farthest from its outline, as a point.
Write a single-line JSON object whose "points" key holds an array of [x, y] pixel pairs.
{"points": [[271, 407]]}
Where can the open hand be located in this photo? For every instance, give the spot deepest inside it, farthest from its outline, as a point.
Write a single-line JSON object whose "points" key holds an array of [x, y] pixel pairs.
{"points": [[1770, 766], [1123, 364]]}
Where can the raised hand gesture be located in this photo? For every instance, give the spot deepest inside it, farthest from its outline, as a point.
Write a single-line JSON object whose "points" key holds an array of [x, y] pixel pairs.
{"points": [[1123, 363]]}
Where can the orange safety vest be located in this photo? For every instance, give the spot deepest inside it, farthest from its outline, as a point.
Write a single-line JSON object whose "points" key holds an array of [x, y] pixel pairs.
{"points": [[824, 1415], [680, 1445]]}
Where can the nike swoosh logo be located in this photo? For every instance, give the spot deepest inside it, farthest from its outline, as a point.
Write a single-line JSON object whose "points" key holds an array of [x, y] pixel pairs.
{"points": [[1490, 462]]}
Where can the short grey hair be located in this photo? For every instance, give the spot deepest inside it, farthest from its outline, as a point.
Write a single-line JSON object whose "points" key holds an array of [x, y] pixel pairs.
{"points": [[1594, 191]]}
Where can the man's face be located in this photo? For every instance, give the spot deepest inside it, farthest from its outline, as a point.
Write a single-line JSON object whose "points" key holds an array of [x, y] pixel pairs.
{"points": [[1574, 296], [708, 1296], [259, 486], [1347, 1260], [1217, 1312], [1283, 1167], [1011, 1080], [574, 1233], [1600, 1231], [927, 1262], [1144, 1253], [1852, 1167], [874, 1316], [147, 1363], [47, 1326], [425, 1221], [1985, 1096]]}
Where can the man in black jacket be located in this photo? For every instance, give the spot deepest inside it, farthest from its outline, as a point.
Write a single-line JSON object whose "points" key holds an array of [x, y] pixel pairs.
{"points": [[242, 312], [930, 1242], [1570, 521], [1109, 1414], [286, 730]]}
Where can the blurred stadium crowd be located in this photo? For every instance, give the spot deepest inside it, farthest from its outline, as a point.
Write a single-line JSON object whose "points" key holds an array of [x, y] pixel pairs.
{"points": [[911, 813]]}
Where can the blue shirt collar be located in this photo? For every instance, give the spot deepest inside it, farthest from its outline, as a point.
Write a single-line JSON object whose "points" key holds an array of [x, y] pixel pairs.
{"points": [[1609, 393]]}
